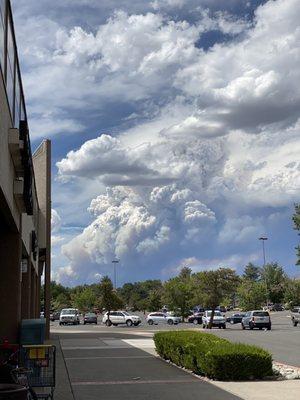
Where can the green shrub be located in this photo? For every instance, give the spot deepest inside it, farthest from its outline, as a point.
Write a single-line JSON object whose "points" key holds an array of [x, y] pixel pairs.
{"points": [[216, 358]]}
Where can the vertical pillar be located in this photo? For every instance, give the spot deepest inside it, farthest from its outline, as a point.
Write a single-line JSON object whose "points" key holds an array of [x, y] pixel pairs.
{"points": [[33, 293], [26, 292], [10, 285], [38, 295]]}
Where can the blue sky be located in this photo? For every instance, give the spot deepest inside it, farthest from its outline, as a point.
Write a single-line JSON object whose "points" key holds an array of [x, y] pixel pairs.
{"points": [[175, 131]]}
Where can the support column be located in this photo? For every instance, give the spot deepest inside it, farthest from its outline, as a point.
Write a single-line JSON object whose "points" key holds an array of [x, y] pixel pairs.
{"points": [[26, 292], [33, 293], [37, 297], [10, 285]]}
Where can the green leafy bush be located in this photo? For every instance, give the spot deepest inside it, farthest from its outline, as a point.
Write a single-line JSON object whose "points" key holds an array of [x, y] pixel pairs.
{"points": [[216, 358]]}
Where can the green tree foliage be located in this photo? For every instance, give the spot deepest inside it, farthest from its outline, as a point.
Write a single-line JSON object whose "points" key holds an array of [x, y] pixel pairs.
{"points": [[296, 220], [85, 299], [252, 295], [292, 292], [109, 299], [274, 279], [154, 300], [61, 301], [215, 286], [252, 273], [137, 295], [178, 294]]}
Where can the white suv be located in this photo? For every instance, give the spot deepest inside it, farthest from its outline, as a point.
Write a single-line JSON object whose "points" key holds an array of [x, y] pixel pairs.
{"points": [[120, 317], [218, 320], [162, 318], [69, 316]]}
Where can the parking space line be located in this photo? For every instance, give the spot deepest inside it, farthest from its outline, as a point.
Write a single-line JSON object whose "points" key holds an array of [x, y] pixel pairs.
{"points": [[108, 357], [134, 382]]}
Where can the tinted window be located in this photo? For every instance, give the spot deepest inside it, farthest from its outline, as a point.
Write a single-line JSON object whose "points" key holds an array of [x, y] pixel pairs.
{"points": [[261, 314], [113, 313], [295, 310], [10, 66], [120, 314], [2, 11]]}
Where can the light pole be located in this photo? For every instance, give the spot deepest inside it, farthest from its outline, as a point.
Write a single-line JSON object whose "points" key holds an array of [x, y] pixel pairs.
{"points": [[115, 262], [263, 238]]}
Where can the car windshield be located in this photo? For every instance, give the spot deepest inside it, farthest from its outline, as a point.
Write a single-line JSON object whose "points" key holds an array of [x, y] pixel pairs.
{"points": [[217, 314], [90, 314], [261, 314], [68, 311]]}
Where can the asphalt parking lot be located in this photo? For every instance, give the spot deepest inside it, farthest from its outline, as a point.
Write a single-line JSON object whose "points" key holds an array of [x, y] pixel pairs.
{"points": [[282, 341]]}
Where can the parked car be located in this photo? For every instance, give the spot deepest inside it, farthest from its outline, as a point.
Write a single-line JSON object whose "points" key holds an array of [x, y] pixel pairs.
{"points": [[195, 318], [120, 317], [256, 319], [235, 318], [162, 318], [218, 320], [222, 309], [54, 316], [295, 315], [90, 318], [198, 309], [69, 316]]}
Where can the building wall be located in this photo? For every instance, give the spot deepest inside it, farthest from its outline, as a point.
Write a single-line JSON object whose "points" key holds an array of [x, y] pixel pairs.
{"points": [[24, 225]]}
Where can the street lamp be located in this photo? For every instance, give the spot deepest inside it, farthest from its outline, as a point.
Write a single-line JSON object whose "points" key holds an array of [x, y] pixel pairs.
{"points": [[115, 262], [263, 238]]}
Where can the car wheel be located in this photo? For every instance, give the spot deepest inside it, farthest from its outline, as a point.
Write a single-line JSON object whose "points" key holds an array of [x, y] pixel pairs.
{"points": [[129, 322], [243, 326], [220, 326], [170, 322], [224, 326], [150, 322], [295, 323], [260, 328], [60, 323], [108, 323], [269, 327], [195, 322], [136, 323], [84, 323], [203, 326]]}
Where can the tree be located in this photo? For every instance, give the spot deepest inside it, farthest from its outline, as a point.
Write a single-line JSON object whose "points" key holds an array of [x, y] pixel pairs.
{"points": [[274, 279], [154, 300], [252, 295], [84, 300], [61, 301], [178, 293], [215, 286], [292, 292], [296, 220], [109, 299], [252, 273]]}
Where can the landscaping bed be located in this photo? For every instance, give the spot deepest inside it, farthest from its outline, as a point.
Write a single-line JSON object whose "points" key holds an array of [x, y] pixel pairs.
{"points": [[208, 355]]}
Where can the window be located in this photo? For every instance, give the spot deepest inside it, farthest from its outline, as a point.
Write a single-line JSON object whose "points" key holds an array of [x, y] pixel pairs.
{"points": [[2, 33], [261, 314], [17, 110], [11, 56]]}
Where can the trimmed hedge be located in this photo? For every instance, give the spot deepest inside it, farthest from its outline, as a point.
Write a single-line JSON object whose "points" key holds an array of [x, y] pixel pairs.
{"points": [[214, 357]]}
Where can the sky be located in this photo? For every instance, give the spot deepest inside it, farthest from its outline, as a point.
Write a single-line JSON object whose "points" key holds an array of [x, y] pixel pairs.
{"points": [[175, 131]]}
